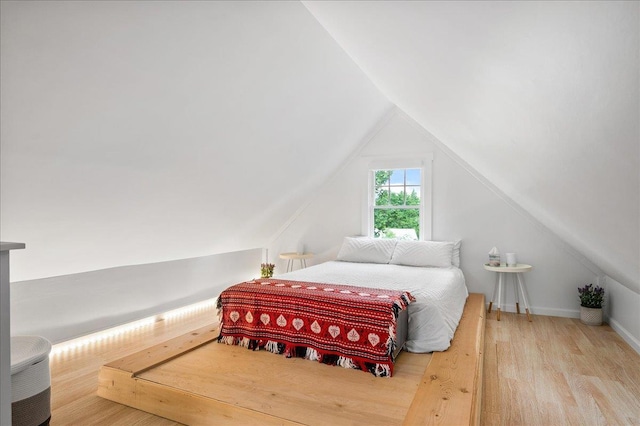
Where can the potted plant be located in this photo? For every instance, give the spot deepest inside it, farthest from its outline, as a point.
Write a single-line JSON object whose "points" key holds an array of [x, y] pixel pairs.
{"points": [[266, 270], [591, 299]]}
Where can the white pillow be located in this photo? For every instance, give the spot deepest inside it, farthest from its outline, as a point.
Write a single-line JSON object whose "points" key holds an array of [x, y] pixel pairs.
{"points": [[423, 253], [366, 250], [455, 258]]}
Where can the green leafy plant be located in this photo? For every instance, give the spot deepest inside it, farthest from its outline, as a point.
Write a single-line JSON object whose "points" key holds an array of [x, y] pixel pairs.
{"points": [[266, 270], [590, 296]]}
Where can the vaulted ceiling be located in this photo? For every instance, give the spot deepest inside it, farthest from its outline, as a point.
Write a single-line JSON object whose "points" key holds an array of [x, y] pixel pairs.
{"points": [[142, 131], [542, 98]]}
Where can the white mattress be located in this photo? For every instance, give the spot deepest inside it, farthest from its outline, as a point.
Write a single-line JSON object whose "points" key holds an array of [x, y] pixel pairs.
{"points": [[440, 295]]}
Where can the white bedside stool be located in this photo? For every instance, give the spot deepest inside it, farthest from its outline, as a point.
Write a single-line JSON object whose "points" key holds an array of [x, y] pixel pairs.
{"points": [[518, 284], [291, 257]]}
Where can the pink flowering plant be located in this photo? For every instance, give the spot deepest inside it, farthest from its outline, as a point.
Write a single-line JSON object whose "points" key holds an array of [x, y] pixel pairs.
{"points": [[590, 296]]}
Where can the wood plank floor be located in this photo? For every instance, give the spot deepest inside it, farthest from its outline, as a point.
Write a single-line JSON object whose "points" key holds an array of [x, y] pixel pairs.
{"points": [[556, 371], [194, 380], [549, 371], [274, 388]]}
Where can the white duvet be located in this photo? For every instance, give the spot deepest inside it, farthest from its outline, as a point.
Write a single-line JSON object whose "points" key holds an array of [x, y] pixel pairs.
{"points": [[440, 295]]}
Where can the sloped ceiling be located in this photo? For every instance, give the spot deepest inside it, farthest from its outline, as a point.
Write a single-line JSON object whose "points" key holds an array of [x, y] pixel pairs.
{"points": [[542, 98], [136, 132]]}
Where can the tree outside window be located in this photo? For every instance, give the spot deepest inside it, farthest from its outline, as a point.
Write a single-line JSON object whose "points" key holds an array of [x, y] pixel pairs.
{"points": [[397, 203]]}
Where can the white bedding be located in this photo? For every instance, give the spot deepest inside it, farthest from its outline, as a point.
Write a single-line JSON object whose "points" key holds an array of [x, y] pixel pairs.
{"points": [[440, 295]]}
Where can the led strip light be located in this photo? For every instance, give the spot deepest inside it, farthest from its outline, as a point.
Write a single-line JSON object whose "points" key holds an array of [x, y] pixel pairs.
{"points": [[118, 331]]}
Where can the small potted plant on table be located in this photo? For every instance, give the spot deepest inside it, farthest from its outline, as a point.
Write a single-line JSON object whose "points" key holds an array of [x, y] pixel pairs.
{"points": [[591, 299], [266, 270]]}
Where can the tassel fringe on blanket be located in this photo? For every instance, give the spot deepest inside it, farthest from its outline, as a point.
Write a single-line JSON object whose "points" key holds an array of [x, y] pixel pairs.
{"points": [[378, 370]]}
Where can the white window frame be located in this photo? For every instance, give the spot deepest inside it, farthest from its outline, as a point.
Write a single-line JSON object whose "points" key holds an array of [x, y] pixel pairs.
{"points": [[419, 161]]}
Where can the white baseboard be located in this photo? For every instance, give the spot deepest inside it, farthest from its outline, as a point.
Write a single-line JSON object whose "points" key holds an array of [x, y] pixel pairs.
{"points": [[565, 313], [628, 337]]}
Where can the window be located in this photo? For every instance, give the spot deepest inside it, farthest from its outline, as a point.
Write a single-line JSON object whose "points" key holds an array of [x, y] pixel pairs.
{"points": [[399, 200], [396, 209]]}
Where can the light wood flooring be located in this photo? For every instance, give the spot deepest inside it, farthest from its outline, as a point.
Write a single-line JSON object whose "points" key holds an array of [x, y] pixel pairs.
{"points": [[551, 371], [558, 371], [194, 380]]}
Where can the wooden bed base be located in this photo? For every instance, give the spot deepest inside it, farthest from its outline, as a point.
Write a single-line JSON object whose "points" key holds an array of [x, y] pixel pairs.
{"points": [[194, 380]]}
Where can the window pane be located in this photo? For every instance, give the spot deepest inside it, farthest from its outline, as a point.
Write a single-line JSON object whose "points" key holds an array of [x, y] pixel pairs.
{"points": [[397, 196], [413, 177], [413, 196], [382, 196], [397, 177], [382, 177], [397, 223]]}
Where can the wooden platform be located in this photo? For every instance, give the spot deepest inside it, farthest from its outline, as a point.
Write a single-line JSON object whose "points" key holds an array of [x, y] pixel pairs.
{"points": [[194, 380]]}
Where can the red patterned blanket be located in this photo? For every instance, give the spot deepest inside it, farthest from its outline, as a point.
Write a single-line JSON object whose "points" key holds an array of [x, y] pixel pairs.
{"points": [[354, 327]]}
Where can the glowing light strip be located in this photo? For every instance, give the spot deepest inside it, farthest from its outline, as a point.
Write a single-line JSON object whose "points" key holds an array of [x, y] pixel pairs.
{"points": [[118, 331], [186, 310]]}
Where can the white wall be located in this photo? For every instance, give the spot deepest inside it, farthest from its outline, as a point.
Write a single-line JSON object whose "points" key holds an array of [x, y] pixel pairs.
{"points": [[65, 307], [463, 207], [136, 132], [623, 307]]}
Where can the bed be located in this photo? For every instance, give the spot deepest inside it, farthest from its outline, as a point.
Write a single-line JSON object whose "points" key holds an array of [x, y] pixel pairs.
{"points": [[439, 293], [422, 276]]}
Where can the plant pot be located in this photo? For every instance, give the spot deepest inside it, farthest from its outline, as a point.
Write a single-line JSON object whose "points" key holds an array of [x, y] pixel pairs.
{"points": [[591, 316]]}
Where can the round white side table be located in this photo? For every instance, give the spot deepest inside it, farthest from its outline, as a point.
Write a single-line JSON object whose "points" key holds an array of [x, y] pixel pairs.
{"points": [[518, 284], [292, 257]]}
